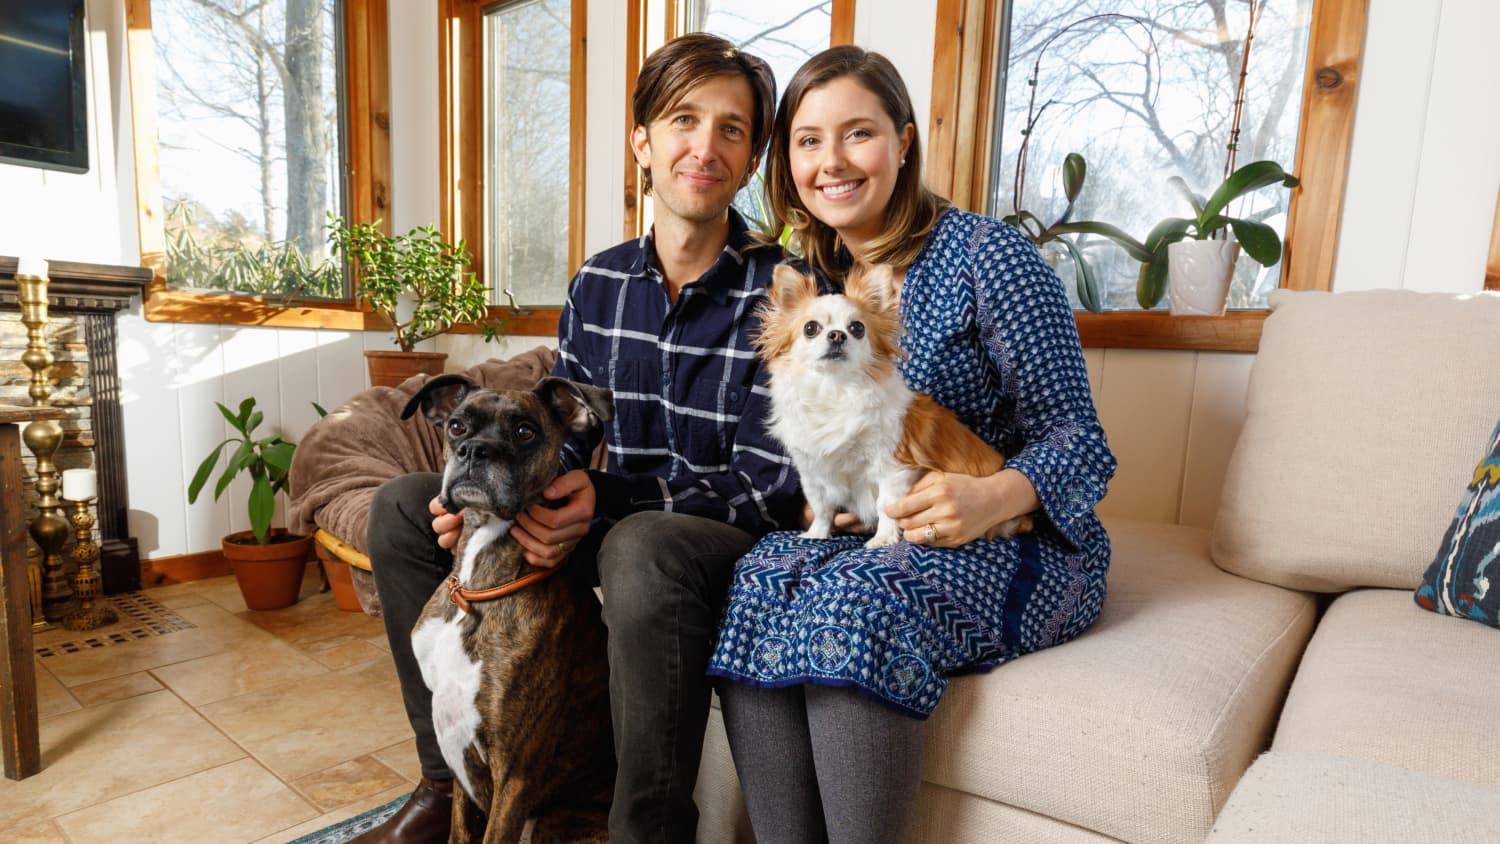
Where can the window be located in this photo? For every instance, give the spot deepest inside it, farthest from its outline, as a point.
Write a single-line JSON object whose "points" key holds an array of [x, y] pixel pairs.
{"points": [[785, 33], [1145, 91], [252, 122], [512, 140]]}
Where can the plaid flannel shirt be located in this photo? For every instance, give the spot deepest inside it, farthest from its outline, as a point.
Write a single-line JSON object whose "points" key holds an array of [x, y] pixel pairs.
{"points": [[689, 433]]}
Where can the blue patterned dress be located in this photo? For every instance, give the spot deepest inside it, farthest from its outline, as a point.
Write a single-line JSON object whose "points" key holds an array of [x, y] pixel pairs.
{"points": [[988, 333]]}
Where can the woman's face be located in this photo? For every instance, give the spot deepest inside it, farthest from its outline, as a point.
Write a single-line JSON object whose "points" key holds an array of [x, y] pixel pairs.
{"points": [[845, 155]]}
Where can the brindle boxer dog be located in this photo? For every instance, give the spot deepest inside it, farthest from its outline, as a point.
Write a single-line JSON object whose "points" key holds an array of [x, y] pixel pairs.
{"points": [[514, 654]]}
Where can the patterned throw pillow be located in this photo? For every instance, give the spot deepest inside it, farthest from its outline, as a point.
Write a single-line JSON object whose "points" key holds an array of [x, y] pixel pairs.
{"points": [[1464, 580]]}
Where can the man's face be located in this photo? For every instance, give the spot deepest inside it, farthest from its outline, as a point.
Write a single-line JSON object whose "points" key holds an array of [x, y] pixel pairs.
{"points": [[698, 152]]}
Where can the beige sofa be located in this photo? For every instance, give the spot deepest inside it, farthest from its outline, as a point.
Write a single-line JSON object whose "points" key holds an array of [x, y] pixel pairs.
{"points": [[1271, 679]]}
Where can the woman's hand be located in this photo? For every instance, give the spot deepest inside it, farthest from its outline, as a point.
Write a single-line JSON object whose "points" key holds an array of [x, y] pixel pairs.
{"points": [[961, 508], [548, 535]]}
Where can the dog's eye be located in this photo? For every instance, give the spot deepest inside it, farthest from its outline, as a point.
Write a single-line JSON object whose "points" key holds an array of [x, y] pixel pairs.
{"points": [[456, 428], [525, 433], [856, 329], [811, 329]]}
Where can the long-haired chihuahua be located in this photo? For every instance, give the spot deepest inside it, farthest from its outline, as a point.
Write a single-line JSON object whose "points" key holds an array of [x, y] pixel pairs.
{"points": [[857, 435]]}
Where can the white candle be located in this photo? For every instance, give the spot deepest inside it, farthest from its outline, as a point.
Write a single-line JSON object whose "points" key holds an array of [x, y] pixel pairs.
{"points": [[79, 484], [31, 266]]}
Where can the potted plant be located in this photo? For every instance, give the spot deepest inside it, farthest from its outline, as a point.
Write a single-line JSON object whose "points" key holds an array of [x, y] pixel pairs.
{"points": [[419, 283], [1192, 254], [1074, 171], [268, 564]]}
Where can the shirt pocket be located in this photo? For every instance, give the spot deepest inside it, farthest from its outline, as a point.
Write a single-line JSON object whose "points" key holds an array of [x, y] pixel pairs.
{"points": [[707, 424], [640, 419]]}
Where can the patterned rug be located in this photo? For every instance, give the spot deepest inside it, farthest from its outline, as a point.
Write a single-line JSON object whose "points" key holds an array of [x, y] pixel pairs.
{"points": [[347, 830]]}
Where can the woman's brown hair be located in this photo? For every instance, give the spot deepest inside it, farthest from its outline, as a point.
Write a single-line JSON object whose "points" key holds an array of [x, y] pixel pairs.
{"points": [[680, 65], [912, 210]]}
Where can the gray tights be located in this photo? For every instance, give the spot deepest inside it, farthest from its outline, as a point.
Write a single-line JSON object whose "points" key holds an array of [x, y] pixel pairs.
{"points": [[822, 764]]}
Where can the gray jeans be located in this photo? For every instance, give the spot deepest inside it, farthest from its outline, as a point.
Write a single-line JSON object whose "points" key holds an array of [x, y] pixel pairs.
{"points": [[664, 578]]}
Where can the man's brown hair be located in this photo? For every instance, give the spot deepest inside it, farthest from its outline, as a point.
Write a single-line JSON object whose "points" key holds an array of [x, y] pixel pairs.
{"points": [[912, 210], [685, 62]]}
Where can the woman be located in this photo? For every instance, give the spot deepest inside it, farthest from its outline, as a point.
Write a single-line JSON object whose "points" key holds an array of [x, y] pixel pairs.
{"points": [[988, 333]]}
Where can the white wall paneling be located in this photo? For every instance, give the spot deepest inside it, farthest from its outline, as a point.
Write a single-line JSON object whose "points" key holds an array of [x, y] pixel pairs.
{"points": [[1144, 402]]}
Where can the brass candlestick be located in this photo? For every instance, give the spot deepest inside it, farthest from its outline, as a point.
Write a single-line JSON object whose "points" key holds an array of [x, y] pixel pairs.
{"points": [[43, 437], [87, 582]]}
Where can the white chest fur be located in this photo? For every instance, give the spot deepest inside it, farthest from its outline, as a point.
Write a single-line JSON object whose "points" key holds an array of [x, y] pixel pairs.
{"points": [[843, 438], [449, 672]]}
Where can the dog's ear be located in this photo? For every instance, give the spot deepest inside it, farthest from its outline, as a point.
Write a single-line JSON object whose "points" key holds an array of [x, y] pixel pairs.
{"points": [[790, 289], [869, 286], [439, 396], [580, 407]]}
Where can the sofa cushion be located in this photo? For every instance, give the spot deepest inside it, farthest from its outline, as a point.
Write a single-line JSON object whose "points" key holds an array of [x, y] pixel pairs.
{"points": [[1139, 728], [1459, 580], [1319, 797], [1383, 680], [1362, 409]]}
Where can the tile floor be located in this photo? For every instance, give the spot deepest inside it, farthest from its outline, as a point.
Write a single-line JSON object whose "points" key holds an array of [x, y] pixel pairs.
{"points": [[219, 725]]}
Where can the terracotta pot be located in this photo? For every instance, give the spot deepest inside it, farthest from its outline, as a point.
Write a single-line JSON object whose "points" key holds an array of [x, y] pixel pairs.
{"points": [[270, 576], [390, 369], [339, 580]]}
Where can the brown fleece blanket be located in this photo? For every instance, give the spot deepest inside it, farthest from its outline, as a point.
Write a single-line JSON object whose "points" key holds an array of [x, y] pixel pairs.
{"points": [[364, 443]]}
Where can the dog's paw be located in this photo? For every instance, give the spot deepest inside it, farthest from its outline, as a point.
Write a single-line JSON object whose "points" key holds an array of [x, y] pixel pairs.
{"points": [[888, 534], [817, 533]]}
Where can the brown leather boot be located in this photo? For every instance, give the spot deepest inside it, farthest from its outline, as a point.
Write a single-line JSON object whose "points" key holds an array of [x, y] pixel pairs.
{"points": [[425, 819]]}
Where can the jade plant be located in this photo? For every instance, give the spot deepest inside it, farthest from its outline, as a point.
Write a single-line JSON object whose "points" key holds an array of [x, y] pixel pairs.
{"points": [[419, 266]]}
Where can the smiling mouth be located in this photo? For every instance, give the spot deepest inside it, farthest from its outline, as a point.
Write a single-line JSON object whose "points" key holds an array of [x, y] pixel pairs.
{"points": [[840, 190]]}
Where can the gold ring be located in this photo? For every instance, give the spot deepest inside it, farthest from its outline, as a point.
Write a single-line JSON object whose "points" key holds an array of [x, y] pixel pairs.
{"points": [[563, 547], [930, 534]]}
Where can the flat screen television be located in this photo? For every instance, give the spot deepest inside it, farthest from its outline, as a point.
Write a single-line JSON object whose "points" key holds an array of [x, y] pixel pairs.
{"points": [[43, 91]]}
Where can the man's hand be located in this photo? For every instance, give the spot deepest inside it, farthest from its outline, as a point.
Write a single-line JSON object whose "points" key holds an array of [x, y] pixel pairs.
{"points": [[842, 522], [446, 525], [548, 535]]}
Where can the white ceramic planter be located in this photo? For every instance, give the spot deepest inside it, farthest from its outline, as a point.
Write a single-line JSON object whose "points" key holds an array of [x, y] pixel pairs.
{"points": [[1198, 276]]}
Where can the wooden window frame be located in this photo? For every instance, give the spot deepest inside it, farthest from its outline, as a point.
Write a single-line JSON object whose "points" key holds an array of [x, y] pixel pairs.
{"points": [[840, 31], [367, 164], [461, 145], [960, 144], [1492, 266]]}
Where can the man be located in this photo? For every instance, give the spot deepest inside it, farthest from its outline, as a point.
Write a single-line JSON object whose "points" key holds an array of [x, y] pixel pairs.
{"points": [[694, 478]]}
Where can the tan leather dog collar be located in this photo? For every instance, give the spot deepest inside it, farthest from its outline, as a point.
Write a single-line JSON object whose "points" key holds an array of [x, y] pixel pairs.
{"points": [[464, 597]]}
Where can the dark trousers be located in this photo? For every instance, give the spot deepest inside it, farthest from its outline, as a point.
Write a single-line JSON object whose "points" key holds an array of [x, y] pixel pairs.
{"points": [[664, 578]]}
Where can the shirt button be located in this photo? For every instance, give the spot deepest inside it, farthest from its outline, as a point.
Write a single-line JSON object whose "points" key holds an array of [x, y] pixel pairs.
{"points": [[734, 395]]}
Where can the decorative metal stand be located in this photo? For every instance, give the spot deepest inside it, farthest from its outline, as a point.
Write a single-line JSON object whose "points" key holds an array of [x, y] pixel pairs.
{"points": [[87, 583], [42, 437]]}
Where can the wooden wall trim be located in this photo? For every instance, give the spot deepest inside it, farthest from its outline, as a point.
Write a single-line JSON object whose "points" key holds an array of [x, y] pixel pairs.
{"points": [[163, 571], [1329, 91], [965, 67], [461, 171], [635, 54], [1492, 266], [367, 138]]}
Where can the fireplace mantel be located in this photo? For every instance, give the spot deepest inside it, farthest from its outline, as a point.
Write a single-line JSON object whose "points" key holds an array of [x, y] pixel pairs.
{"points": [[95, 293]]}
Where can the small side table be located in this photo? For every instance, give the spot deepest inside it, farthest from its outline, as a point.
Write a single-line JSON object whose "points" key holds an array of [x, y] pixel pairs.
{"points": [[19, 739]]}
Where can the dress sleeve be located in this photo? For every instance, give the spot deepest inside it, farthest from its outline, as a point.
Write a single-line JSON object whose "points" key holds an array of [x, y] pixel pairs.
{"points": [[1026, 326]]}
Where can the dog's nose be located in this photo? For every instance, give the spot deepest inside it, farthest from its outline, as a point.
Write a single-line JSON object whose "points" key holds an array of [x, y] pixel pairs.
{"points": [[836, 338], [471, 450]]}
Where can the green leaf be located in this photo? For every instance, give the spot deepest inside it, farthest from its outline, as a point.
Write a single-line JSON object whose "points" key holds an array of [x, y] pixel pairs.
{"points": [[1088, 284], [253, 422], [1074, 172], [262, 507], [1182, 187], [1151, 284], [1167, 231], [1259, 240], [1132, 247], [200, 477], [243, 456], [246, 407], [234, 421], [1251, 177], [279, 455]]}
